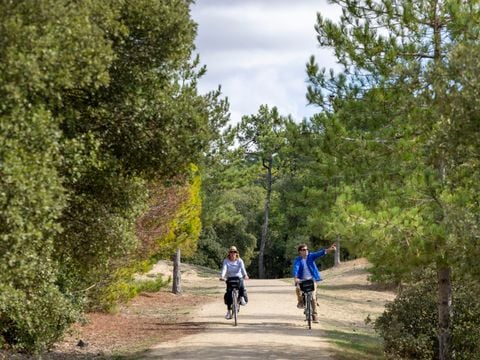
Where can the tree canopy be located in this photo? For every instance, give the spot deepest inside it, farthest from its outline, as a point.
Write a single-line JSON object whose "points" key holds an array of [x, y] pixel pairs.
{"points": [[99, 99], [395, 112]]}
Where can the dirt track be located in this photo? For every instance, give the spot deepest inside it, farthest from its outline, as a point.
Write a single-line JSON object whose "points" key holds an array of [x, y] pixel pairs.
{"points": [[270, 327]]}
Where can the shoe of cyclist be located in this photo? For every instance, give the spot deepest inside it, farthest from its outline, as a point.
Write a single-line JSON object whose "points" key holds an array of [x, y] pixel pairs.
{"points": [[242, 301], [228, 315], [315, 319]]}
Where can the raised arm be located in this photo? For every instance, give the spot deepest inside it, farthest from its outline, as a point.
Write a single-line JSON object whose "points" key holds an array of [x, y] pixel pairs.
{"points": [[332, 248]]}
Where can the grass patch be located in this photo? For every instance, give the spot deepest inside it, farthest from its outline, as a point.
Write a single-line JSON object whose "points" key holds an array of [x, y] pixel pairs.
{"points": [[151, 285], [355, 346], [207, 291]]}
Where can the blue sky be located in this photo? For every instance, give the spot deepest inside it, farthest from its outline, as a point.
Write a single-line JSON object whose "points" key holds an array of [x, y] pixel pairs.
{"points": [[257, 51]]}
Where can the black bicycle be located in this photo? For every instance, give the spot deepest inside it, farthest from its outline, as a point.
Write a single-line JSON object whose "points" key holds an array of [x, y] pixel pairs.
{"points": [[307, 287], [233, 286]]}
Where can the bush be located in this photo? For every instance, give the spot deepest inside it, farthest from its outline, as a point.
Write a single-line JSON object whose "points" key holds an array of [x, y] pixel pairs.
{"points": [[151, 285], [466, 326], [33, 322], [123, 288], [409, 324]]}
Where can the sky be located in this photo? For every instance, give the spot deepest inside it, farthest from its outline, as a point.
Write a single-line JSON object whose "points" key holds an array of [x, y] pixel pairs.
{"points": [[256, 50]]}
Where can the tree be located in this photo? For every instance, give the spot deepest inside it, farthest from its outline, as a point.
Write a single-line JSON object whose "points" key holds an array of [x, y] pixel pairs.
{"points": [[396, 108], [230, 217], [47, 48], [148, 123], [98, 100], [260, 137], [307, 188]]}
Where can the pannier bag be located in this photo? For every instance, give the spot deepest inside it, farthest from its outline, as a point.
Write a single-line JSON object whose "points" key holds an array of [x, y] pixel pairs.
{"points": [[307, 285], [233, 282]]}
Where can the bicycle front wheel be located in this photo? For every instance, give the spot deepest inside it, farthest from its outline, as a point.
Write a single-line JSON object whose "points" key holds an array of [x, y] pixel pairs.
{"points": [[308, 309], [235, 306]]}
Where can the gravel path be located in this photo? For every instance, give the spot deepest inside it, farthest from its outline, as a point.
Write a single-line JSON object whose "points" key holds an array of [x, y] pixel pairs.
{"points": [[270, 327]]}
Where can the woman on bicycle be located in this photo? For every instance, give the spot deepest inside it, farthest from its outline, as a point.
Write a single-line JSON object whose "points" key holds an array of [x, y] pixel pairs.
{"points": [[305, 268], [233, 266]]}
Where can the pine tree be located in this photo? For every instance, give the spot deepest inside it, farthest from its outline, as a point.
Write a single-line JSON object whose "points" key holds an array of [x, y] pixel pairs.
{"points": [[396, 111]]}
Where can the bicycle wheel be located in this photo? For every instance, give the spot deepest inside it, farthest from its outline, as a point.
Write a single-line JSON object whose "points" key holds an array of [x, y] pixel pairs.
{"points": [[308, 309], [235, 306]]}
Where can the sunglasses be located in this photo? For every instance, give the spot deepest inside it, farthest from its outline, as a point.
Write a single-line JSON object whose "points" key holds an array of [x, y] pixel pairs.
{"points": [[232, 252], [303, 249]]}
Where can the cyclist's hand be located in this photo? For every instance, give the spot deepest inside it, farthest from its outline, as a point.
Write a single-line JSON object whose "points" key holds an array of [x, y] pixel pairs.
{"points": [[246, 277], [297, 280]]}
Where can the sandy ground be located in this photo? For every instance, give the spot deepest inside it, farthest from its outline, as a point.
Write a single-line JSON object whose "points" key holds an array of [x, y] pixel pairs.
{"points": [[271, 327]]}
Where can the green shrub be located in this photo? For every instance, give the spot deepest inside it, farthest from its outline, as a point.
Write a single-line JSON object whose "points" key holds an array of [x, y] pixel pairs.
{"points": [[409, 324], [466, 325], [34, 321], [151, 285], [124, 289]]}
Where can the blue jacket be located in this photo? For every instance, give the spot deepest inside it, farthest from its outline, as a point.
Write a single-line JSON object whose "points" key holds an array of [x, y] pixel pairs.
{"points": [[312, 266]]}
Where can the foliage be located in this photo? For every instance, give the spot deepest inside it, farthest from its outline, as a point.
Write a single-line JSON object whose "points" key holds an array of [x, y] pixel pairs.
{"points": [[33, 312], [124, 287], [231, 217], [395, 120], [400, 154], [408, 323], [109, 238], [261, 138], [148, 124], [98, 100], [35, 64], [164, 202], [172, 220], [300, 173], [307, 191], [152, 285], [210, 252], [185, 226], [33, 320]]}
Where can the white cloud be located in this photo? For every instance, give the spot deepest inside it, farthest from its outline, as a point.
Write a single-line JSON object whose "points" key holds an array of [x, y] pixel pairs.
{"points": [[257, 50]]}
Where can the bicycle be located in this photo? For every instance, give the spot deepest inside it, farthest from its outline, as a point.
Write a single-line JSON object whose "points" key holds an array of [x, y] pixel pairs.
{"points": [[233, 285], [307, 287]]}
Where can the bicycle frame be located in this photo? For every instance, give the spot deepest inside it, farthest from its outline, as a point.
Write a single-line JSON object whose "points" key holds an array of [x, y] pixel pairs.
{"points": [[307, 296], [235, 306], [307, 287], [233, 285]]}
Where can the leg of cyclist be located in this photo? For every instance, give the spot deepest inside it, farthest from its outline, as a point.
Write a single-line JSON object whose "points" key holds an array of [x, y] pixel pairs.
{"points": [[242, 293], [228, 301], [314, 303], [299, 297]]}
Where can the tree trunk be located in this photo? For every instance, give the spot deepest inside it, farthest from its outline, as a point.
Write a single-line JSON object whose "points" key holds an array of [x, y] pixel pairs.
{"points": [[336, 256], [444, 312], [263, 237], [177, 278]]}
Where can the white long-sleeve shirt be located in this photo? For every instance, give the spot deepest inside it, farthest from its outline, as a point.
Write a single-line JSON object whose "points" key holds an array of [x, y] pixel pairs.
{"points": [[233, 268]]}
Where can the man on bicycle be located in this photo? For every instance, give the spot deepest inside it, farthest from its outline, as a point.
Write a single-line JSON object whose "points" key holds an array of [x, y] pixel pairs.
{"points": [[305, 268]]}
